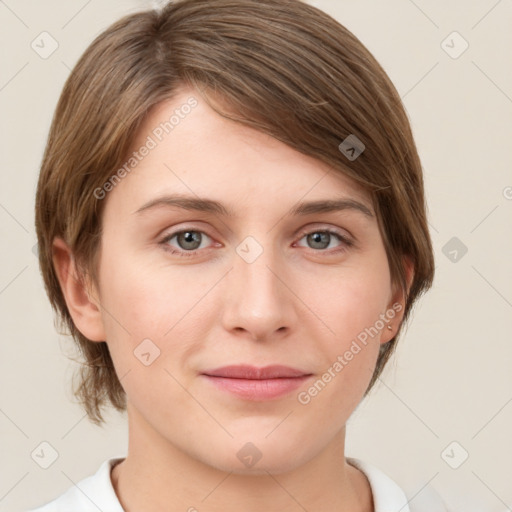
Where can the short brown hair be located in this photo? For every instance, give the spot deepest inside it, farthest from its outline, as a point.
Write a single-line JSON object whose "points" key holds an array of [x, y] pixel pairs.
{"points": [[282, 67]]}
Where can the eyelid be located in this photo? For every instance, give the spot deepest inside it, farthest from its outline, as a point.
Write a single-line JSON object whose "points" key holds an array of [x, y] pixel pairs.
{"points": [[171, 234], [342, 233]]}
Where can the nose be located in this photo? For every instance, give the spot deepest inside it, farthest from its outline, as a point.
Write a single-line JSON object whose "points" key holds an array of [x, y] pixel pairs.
{"points": [[259, 303]]}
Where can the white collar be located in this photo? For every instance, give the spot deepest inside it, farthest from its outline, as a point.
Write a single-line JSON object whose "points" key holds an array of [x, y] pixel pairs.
{"points": [[387, 495], [96, 492]]}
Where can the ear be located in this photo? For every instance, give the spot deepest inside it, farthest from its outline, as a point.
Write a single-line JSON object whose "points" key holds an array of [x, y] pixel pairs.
{"points": [[81, 297], [397, 303]]}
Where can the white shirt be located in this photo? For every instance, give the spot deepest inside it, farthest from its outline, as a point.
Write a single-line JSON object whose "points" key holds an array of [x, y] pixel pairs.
{"points": [[96, 492]]}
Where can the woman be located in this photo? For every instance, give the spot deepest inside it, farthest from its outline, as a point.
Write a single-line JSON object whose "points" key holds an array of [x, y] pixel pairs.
{"points": [[231, 222]]}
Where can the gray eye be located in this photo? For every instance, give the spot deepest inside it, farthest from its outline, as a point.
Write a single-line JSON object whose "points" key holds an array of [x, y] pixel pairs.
{"points": [[188, 240], [319, 239]]}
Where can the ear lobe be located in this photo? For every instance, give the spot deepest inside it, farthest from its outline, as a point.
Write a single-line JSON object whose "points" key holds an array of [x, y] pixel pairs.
{"points": [[397, 304], [85, 310]]}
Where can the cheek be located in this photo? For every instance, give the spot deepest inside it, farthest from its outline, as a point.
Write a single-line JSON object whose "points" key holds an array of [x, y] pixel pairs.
{"points": [[349, 304], [155, 310], [148, 300], [350, 301], [349, 350]]}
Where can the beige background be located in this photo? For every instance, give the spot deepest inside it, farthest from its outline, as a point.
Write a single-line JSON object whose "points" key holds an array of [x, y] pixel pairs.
{"points": [[451, 379]]}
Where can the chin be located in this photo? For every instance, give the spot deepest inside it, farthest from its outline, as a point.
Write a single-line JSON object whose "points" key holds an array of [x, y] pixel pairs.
{"points": [[257, 457]]}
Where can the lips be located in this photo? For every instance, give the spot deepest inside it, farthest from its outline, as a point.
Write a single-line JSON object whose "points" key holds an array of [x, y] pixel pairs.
{"points": [[254, 373], [256, 384]]}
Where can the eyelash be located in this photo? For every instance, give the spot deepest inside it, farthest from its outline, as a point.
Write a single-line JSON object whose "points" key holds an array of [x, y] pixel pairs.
{"points": [[188, 254]]}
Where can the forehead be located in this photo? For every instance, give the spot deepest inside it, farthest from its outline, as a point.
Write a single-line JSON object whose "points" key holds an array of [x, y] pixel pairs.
{"points": [[196, 151]]}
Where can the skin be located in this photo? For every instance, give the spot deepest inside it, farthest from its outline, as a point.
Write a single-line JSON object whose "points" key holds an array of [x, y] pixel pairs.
{"points": [[299, 304]]}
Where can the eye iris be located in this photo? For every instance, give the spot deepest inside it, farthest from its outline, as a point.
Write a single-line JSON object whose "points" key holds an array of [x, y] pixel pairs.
{"points": [[189, 237], [319, 238]]}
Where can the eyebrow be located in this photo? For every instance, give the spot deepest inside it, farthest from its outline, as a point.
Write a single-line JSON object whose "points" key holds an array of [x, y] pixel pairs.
{"points": [[212, 206]]}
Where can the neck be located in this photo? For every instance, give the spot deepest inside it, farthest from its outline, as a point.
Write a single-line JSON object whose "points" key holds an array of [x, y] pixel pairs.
{"points": [[157, 475]]}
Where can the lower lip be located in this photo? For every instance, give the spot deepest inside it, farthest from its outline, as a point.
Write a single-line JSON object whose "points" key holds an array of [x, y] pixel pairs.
{"points": [[263, 389]]}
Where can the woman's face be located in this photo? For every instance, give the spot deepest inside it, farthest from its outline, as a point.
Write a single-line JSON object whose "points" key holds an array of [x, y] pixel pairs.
{"points": [[258, 275]]}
